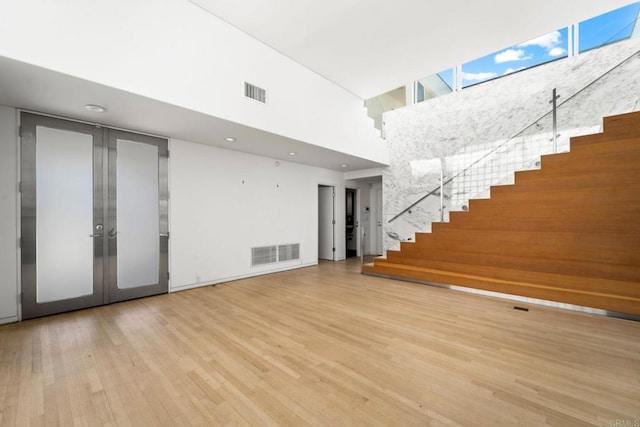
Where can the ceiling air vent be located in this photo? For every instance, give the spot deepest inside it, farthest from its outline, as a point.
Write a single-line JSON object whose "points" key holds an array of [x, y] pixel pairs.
{"points": [[255, 92]]}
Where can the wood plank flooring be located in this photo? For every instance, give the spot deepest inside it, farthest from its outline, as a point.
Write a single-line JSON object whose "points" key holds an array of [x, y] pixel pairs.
{"points": [[322, 346]]}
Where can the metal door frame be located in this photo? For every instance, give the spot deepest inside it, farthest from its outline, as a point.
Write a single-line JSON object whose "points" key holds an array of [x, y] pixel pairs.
{"points": [[105, 288]]}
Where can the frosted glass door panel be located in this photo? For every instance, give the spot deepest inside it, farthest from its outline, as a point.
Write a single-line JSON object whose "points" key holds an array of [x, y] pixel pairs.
{"points": [[64, 219], [138, 244]]}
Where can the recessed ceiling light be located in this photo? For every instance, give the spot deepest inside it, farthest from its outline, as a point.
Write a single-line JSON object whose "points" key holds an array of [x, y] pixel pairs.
{"points": [[229, 139], [344, 165], [95, 108], [292, 153]]}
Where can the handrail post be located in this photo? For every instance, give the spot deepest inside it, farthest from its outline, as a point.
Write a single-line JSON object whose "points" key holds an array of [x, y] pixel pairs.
{"points": [[554, 97], [441, 191], [362, 234]]}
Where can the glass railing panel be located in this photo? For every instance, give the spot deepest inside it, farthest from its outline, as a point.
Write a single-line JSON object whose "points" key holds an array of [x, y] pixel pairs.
{"points": [[619, 24], [414, 206], [476, 168]]}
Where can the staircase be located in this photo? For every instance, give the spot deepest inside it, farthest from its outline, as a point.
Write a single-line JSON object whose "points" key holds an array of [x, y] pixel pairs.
{"points": [[568, 232]]}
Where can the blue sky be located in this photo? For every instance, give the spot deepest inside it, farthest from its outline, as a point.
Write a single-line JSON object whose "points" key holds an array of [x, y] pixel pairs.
{"points": [[607, 28]]}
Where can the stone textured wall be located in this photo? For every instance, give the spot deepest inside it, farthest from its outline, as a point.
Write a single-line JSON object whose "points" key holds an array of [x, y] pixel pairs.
{"points": [[497, 127]]}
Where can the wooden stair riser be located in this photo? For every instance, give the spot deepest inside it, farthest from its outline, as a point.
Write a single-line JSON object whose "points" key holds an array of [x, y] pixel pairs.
{"points": [[542, 183], [469, 261], [622, 125], [586, 197], [589, 139], [615, 248], [605, 147], [541, 291], [623, 266], [544, 219], [585, 162], [627, 288]]}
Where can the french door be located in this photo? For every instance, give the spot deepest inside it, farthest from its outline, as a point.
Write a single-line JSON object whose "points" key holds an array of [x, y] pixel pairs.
{"points": [[94, 215]]}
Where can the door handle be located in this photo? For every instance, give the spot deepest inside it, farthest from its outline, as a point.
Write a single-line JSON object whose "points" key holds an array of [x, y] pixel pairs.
{"points": [[112, 233], [98, 228]]}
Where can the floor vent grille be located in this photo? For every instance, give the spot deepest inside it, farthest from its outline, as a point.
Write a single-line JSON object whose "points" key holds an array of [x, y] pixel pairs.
{"points": [[255, 92]]}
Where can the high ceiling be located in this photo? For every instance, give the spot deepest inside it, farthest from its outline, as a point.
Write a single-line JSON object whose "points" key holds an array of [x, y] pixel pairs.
{"points": [[367, 47], [371, 46]]}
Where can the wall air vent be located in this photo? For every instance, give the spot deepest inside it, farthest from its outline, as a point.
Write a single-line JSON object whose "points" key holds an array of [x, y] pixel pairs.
{"points": [[264, 255], [277, 253], [288, 252], [255, 92]]}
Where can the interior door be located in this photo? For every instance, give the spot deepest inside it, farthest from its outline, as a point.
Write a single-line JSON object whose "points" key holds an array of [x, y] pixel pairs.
{"points": [[79, 182], [137, 231], [62, 216], [326, 223]]}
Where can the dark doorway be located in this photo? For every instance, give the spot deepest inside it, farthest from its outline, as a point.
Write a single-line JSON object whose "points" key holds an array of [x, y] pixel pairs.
{"points": [[351, 224]]}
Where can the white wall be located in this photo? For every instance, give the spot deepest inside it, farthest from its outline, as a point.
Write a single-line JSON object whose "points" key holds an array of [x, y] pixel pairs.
{"points": [[8, 216], [223, 203], [175, 52]]}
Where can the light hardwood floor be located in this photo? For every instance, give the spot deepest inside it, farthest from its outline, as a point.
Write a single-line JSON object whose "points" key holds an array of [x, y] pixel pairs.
{"points": [[320, 346]]}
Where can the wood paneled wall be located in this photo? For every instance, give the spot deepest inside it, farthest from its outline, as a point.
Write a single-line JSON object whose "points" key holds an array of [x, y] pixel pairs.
{"points": [[569, 232]]}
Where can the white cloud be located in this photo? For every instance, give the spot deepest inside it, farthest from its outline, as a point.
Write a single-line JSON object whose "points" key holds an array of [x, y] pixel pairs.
{"points": [[478, 76], [510, 55], [548, 41], [557, 51], [512, 70]]}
